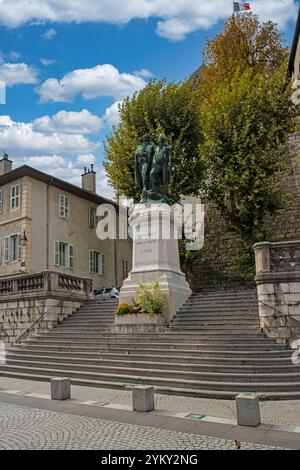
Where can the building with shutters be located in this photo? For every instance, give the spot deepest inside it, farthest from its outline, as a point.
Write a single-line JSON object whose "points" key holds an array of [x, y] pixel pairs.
{"points": [[49, 224]]}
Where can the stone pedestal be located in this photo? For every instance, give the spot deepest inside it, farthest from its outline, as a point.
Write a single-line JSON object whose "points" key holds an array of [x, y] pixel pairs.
{"points": [[156, 256]]}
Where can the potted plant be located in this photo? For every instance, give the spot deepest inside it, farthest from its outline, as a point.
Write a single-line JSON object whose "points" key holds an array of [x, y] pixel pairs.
{"points": [[149, 308]]}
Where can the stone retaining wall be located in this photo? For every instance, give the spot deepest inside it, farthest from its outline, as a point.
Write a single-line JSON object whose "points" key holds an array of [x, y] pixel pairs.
{"points": [[46, 298]]}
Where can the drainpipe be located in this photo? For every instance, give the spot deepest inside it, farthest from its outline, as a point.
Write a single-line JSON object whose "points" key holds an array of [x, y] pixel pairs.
{"points": [[47, 224]]}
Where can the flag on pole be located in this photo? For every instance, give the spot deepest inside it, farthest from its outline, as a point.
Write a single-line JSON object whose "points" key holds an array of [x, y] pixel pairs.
{"points": [[238, 6]]}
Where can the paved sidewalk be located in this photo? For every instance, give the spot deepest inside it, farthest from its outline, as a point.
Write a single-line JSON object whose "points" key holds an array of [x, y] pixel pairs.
{"points": [[29, 421], [276, 412], [37, 424], [32, 428]]}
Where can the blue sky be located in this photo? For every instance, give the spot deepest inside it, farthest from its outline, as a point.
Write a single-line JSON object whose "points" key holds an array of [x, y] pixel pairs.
{"points": [[67, 65]]}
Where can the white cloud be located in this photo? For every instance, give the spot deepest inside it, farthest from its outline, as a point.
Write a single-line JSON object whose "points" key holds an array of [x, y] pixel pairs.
{"points": [[46, 162], [55, 165], [72, 122], [47, 62], [88, 159], [101, 80], [112, 116], [102, 184], [16, 74], [49, 34], [176, 18], [144, 73], [20, 138]]}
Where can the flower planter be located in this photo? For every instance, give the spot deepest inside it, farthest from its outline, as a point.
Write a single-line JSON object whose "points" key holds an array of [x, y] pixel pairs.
{"points": [[139, 323]]}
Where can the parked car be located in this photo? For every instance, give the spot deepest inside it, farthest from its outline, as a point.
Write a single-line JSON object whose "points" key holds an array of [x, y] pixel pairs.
{"points": [[107, 293]]}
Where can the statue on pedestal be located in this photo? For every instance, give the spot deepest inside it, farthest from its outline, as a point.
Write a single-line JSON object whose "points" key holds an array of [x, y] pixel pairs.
{"points": [[153, 169]]}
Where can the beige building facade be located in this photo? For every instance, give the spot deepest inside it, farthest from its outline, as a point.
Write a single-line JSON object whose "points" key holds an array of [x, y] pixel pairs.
{"points": [[48, 224]]}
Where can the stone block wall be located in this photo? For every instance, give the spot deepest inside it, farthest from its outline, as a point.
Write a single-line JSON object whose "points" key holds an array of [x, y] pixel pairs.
{"points": [[17, 315], [212, 271]]}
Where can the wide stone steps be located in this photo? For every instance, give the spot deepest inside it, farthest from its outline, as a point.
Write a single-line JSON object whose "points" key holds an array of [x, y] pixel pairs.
{"points": [[268, 388], [197, 360], [213, 348], [198, 353], [140, 363], [139, 344], [116, 371], [200, 339]]}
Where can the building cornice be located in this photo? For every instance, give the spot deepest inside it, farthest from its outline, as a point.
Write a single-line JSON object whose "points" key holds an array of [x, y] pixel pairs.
{"points": [[25, 170]]}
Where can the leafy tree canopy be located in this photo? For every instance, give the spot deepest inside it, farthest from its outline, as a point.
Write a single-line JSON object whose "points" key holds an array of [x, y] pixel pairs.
{"points": [[160, 107]]}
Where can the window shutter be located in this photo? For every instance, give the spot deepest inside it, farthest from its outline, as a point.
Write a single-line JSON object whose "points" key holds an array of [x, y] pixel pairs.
{"points": [[71, 256], [61, 205], [6, 249], [19, 246], [91, 261], [1, 200], [67, 208], [56, 253]]}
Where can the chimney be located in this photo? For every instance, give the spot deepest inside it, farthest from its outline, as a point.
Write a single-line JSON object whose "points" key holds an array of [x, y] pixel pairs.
{"points": [[5, 164], [89, 180]]}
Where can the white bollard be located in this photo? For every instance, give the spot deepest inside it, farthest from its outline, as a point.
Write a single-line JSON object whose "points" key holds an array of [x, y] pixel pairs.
{"points": [[60, 388], [142, 398], [247, 409]]}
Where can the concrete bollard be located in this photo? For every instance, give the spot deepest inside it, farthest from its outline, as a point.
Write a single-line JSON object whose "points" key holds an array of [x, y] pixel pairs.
{"points": [[247, 409], [142, 398], [60, 388]]}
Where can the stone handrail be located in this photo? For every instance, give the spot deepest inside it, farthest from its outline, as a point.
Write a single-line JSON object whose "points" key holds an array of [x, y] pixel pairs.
{"points": [[44, 282], [277, 257]]}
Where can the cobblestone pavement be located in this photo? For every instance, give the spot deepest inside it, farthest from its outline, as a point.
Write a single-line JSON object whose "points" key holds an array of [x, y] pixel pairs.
{"points": [[279, 412], [31, 428]]}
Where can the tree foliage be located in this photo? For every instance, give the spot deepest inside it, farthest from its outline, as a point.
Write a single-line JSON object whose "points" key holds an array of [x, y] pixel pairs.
{"points": [[228, 125], [160, 107], [246, 116]]}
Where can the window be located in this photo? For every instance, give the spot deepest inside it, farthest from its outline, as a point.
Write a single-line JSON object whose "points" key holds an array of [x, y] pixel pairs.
{"points": [[63, 255], [12, 248], [64, 206], [96, 262], [125, 268], [15, 197], [1, 200], [92, 217], [0, 251]]}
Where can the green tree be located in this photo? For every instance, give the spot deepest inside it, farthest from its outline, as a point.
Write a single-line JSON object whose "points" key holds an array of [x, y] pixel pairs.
{"points": [[160, 107], [246, 117]]}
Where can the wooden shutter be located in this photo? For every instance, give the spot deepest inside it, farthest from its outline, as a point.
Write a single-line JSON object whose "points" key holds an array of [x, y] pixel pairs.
{"points": [[56, 253], [71, 256]]}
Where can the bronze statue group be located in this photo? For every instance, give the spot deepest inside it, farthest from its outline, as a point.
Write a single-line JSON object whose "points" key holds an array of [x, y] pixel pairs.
{"points": [[153, 169]]}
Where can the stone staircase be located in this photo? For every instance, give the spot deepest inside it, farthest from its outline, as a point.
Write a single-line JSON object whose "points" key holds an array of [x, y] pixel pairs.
{"points": [[214, 348]]}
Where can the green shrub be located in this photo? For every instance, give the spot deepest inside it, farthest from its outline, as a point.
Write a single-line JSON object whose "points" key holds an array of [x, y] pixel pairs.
{"points": [[149, 298], [124, 309]]}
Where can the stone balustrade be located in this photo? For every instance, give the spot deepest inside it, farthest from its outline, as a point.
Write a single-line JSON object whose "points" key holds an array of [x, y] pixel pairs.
{"points": [[278, 289], [47, 281], [31, 303]]}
